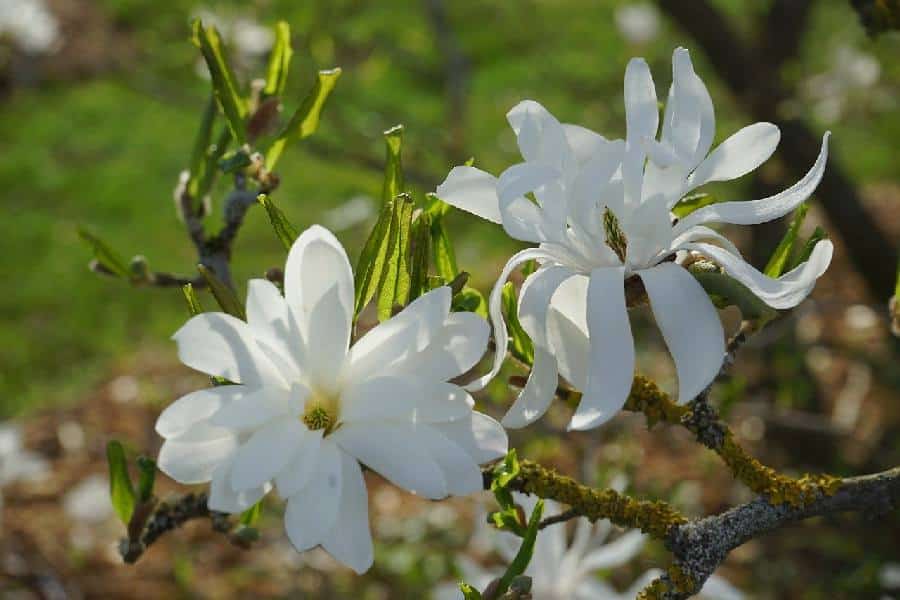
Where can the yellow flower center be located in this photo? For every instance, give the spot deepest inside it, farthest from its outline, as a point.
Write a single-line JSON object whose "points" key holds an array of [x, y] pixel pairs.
{"points": [[321, 412]]}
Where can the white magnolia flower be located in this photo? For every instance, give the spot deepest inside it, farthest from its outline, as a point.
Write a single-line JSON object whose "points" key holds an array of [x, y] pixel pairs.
{"points": [[30, 24], [309, 408], [602, 221], [561, 569]]}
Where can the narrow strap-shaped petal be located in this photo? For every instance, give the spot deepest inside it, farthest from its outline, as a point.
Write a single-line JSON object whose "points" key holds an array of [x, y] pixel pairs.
{"points": [[539, 390], [455, 349], [567, 330], [461, 472], [254, 409], [318, 287], [642, 121], [690, 126], [612, 350], [350, 540], [750, 212], [741, 153], [313, 511], [471, 190], [501, 336], [690, 326], [701, 233], [787, 291], [583, 142], [221, 345], [192, 458], [539, 134]]}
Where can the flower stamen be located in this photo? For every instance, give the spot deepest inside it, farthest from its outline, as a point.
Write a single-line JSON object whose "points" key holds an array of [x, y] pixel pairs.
{"points": [[615, 237]]}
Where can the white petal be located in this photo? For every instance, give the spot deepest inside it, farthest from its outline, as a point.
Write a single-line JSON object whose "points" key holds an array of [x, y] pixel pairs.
{"points": [[501, 336], [612, 350], [223, 499], [567, 330], [313, 511], [700, 233], [266, 453], [641, 110], [222, 345], [193, 461], [483, 438], [787, 291], [460, 471], [455, 349], [405, 398], [197, 406], [540, 136], [298, 472], [690, 326], [534, 301], [738, 155], [471, 190], [759, 211], [524, 220], [585, 143], [401, 336], [268, 317], [253, 409], [318, 286], [719, 588], [689, 94], [350, 540], [613, 554], [390, 450], [523, 178]]}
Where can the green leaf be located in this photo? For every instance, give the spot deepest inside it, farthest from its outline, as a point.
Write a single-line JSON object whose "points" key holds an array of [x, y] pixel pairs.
{"points": [[224, 295], [236, 161], [108, 258], [817, 236], [504, 472], [279, 60], [421, 245], [146, 478], [193, 302], [250, 516], [390, 273], [520, 344], [725, 291], [526, 550], [781, 256], [393, 167], [223, 79], [202, 144], [305, 119], [120, 490], [442, 248], [434, 206], [470, 300], [284, 229], [371, 260], [404, 277], [692, 202], [468, 592]]}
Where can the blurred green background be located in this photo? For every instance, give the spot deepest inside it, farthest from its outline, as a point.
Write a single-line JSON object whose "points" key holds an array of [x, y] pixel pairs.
{"points": [[98, 115]]}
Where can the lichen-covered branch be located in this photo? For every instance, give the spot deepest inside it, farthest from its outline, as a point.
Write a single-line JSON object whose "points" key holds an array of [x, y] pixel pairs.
{"points": [[699, 546], [655, 517]]}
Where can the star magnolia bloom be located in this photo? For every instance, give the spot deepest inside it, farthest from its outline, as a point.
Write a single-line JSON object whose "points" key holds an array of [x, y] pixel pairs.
{"points": [[309, 408], [603, 222], [566, 570]]}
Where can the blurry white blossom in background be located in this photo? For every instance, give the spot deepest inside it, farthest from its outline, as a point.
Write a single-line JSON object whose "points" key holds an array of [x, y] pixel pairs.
{"points": [[17, 463], [563, 569], [30, 25], [638, 23]]}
